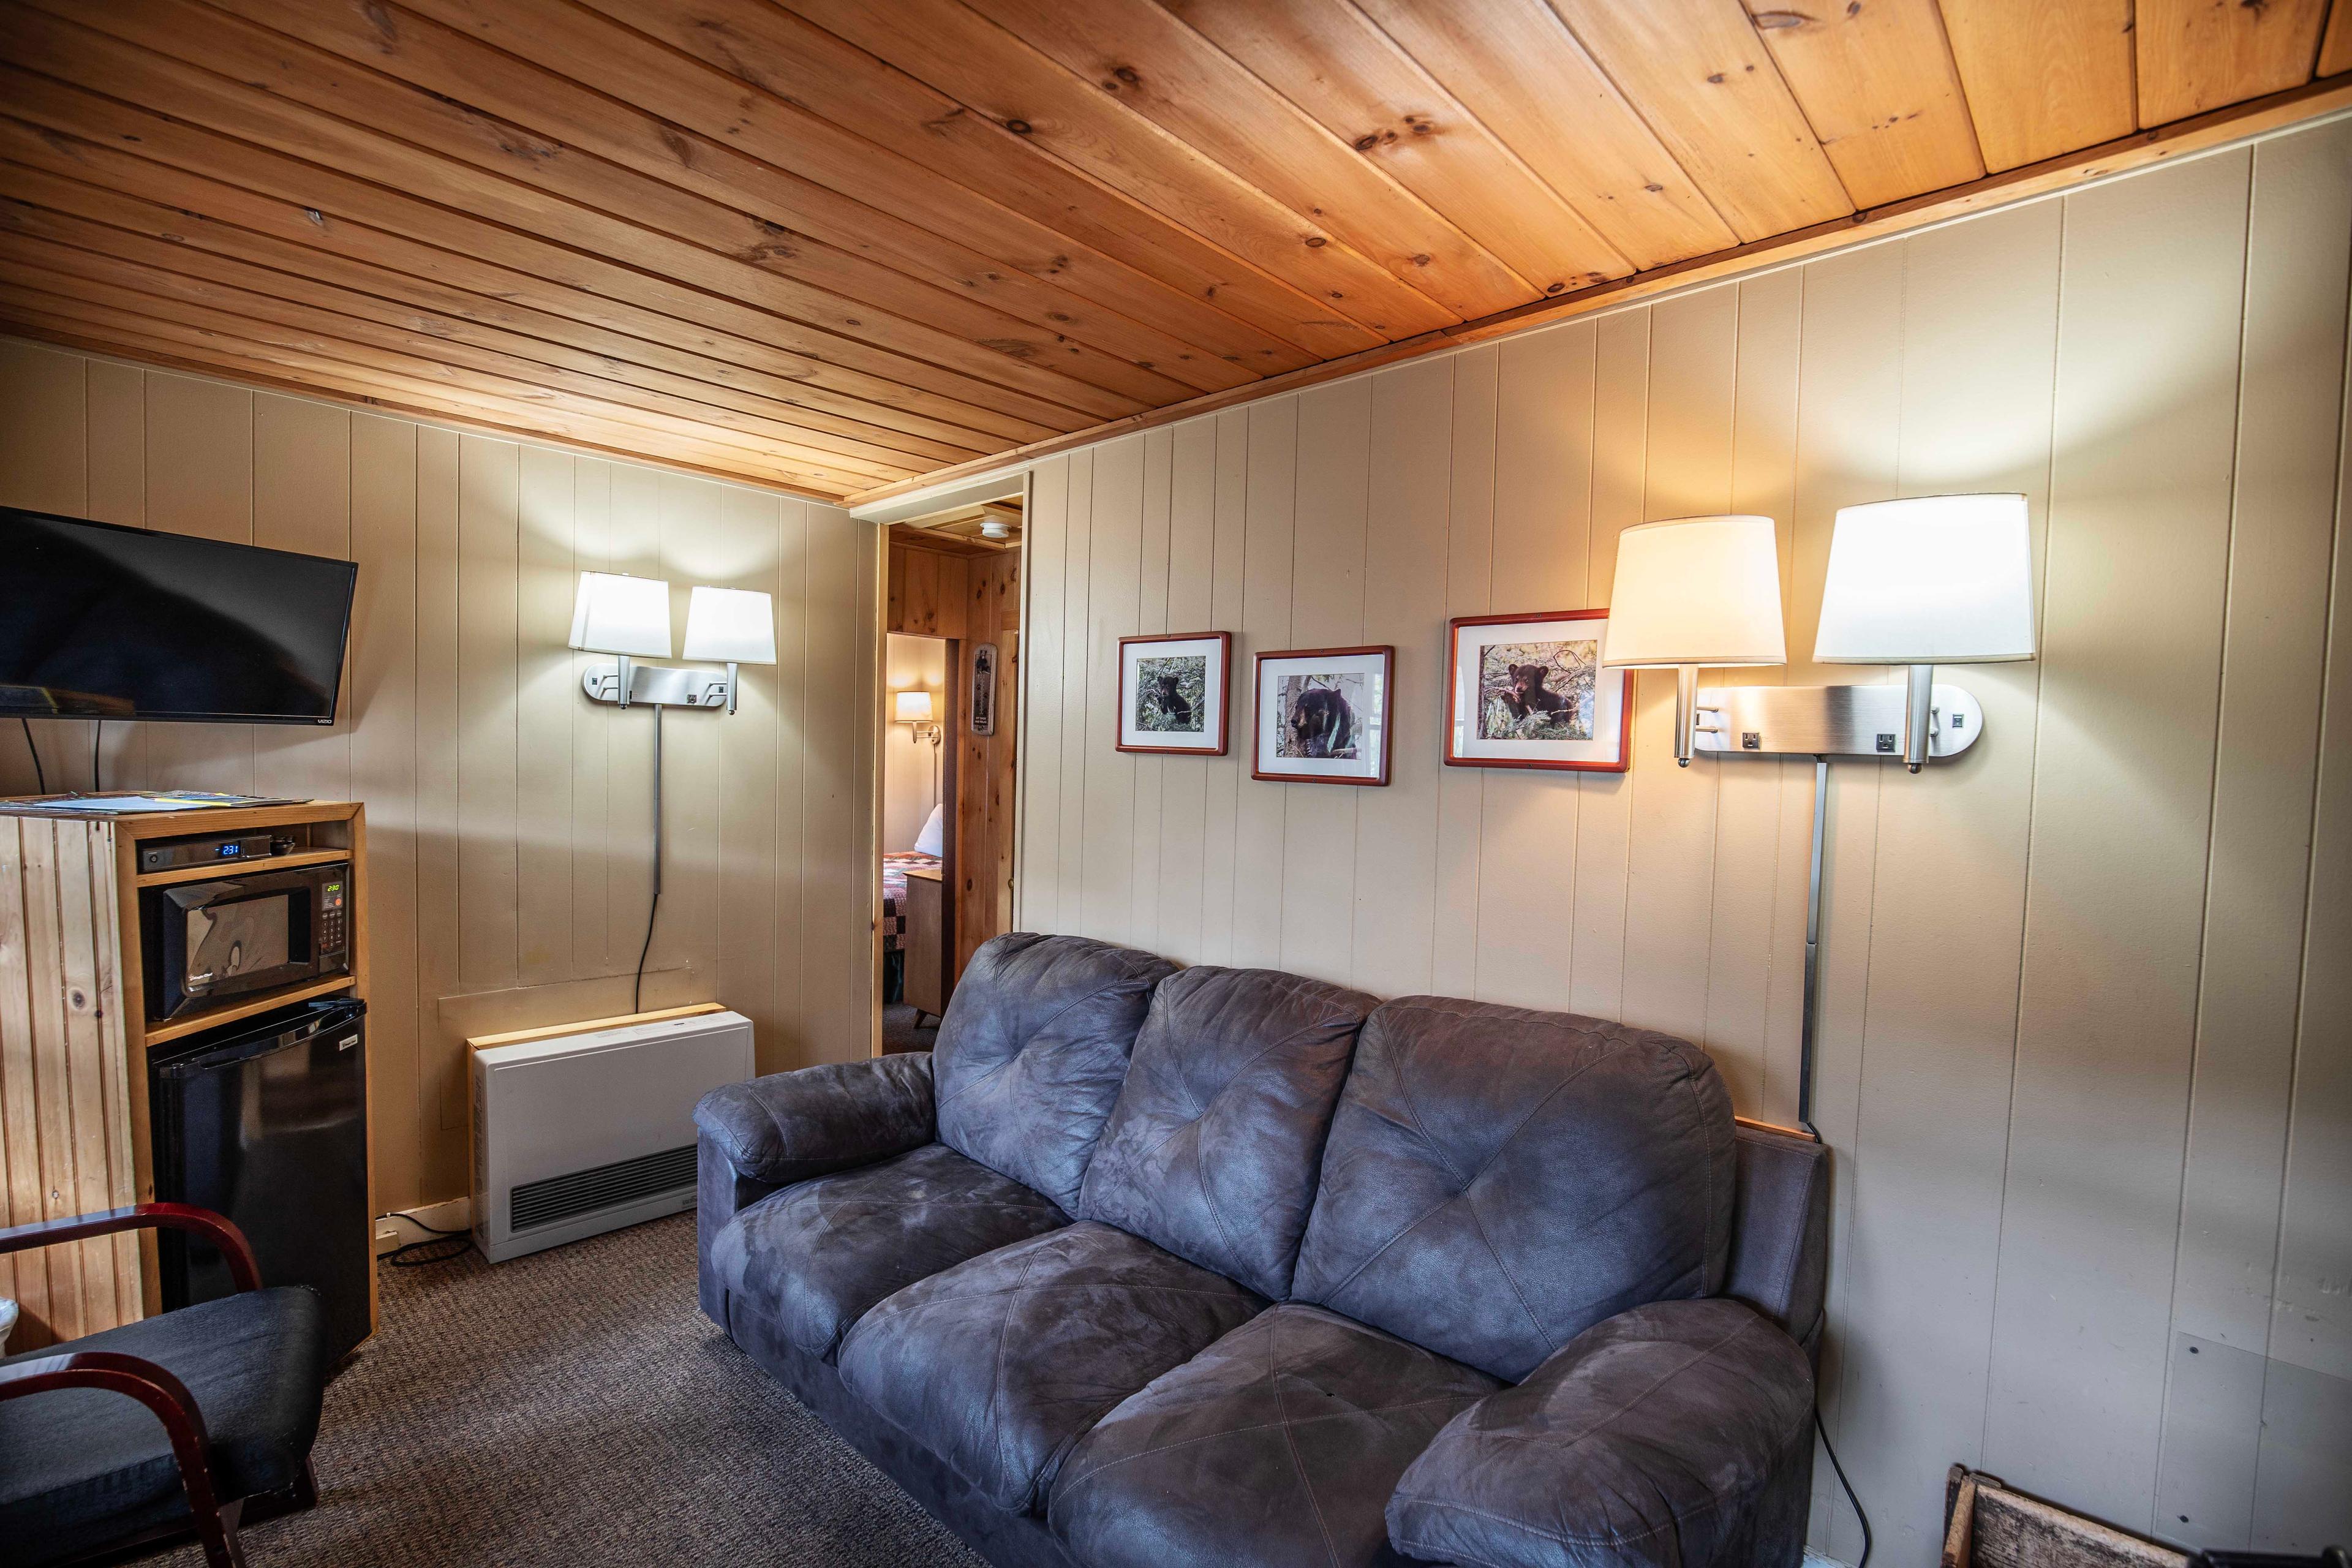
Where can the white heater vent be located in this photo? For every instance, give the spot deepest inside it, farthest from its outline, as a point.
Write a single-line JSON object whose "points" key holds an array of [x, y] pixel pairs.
{"points": [[586, 1132]]}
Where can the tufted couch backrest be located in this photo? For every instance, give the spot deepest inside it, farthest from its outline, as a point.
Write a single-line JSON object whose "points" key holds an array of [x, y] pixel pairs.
{"points": [[1032, 1050], [1497, 1180], [1213, 1147]]}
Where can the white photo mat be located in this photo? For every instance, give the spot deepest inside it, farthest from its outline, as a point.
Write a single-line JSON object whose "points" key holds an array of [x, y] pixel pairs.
{"points": [[1181, 717], [1370, 716], [1605, 715]]}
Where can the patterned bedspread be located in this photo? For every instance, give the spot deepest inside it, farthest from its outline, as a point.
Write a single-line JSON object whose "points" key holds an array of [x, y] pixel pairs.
{"points": [[893, 893]]}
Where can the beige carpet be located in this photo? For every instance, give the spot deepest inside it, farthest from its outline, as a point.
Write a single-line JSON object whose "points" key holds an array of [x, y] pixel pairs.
{"points": [[574, 1409]]}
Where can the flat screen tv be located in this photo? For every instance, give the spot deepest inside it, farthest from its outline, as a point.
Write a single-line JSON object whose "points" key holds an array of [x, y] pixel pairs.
{"points": [[100, 622]]}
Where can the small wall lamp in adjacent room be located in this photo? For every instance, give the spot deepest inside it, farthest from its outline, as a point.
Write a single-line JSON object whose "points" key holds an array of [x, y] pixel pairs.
{"points": [[1921, 582], [913, 708]]}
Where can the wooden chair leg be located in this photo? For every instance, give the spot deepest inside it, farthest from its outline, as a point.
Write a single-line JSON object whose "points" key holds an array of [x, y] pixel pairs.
{"points": [[306, 1490], [216, 1527]]}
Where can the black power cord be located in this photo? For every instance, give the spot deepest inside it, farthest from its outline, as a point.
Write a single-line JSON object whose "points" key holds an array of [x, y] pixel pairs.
{"points": [[637, 991], [398, 1257], [1848, 1485], [40, 779], [97, 734]]}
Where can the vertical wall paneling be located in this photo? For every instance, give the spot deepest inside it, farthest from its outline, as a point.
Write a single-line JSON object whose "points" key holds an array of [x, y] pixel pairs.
{"points": [[1153, 568], [1184, 781], [1979, 328], [1107, 847], [1469, 576], [1404, 595], [546, 696], [1670, 860], [1605, 802], [385, 773], [1272, 496], [1220, 813], [1763, 821], [1538, 551], [1327, 610], [509, 818], [2150, 295], [1079, 694], [2273, 651], [1037, 888]]}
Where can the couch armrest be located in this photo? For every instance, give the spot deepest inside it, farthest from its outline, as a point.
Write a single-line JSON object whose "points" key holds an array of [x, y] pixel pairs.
{"points": [[793, 1125], [1677, 1434]]}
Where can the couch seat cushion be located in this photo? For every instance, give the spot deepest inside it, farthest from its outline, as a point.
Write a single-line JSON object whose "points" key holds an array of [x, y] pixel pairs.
{"points": [[1000, 1364], [1211, 1149], [1498, 1180], [815, 1257], [1280, 1444], [82, 1466]]}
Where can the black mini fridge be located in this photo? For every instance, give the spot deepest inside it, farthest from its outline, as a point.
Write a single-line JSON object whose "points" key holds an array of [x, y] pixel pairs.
{"points": [[265, 1122]]}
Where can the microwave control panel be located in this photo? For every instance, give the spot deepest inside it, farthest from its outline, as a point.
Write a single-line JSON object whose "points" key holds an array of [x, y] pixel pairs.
{"points": [[332, 920]]}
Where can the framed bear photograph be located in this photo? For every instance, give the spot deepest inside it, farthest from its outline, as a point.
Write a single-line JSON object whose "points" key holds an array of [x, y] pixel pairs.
{"points": [[1171, 693], [1322, 715], [1527, 692]]}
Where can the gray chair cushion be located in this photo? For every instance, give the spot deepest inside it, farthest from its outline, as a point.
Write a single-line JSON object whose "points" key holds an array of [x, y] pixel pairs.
{"points": [[790, 1126], [1279, 1444], [82, 1468], [1000, 1364], [1653, 1440], [1497, 1180], [1213, 1147], [1032, 1050], [814, 1257]]}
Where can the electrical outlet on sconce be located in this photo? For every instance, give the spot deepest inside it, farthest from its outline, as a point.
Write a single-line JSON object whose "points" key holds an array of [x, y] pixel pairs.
{"points": [[663, 684]]}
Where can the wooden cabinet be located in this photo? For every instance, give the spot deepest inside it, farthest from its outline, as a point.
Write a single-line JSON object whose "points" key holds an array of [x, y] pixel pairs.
{"points": [[924, 983], [74, 1036]]}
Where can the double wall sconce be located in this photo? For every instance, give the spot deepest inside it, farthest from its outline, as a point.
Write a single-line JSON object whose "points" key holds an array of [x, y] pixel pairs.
{"points": [[1919, 583], [630, 617]]}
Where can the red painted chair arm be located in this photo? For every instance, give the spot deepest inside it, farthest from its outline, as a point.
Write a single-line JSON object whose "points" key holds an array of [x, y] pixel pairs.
{"points": [[218, 1230], [147, 1382]]}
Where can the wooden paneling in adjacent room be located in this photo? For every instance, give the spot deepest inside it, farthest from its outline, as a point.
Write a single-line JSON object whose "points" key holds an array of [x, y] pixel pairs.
{"points": [[838, 246], [511, 818], [2081, 1042]]}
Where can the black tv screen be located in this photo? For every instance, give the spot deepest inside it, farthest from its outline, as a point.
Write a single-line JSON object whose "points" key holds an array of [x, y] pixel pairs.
{"points": [[100, 622]]}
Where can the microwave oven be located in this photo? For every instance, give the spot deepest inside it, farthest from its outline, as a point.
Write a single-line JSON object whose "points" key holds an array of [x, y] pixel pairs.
{"points": [[201, 943]]}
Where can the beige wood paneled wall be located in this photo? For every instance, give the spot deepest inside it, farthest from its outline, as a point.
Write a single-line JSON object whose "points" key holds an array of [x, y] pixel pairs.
{"points": [[509, 820], [2087, 1050]]}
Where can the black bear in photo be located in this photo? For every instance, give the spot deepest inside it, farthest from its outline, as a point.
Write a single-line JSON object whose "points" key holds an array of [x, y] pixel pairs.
{"points": [[1527, 694], [1172, 703], [1322, 724]]}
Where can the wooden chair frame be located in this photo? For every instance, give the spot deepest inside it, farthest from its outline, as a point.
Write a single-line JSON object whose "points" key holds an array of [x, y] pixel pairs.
{"points": [[215, 1519]]}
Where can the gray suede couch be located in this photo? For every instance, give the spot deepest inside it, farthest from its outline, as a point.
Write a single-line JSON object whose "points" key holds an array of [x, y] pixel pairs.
{"points": [[1147, 1266]]}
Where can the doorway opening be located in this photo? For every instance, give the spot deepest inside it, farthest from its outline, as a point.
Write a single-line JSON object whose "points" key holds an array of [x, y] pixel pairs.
{"points": [[952, 612]]}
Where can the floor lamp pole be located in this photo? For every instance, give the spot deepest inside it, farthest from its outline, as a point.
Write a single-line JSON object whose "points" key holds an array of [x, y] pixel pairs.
{"points": [[1807, 1030]]}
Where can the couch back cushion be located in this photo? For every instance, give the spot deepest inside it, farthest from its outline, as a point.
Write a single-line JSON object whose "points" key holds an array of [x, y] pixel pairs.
{"points": [[1032, 1052], [1213, 1147], [1498, 1180]]}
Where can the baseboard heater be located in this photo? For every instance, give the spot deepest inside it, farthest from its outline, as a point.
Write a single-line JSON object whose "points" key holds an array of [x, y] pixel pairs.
{"points": [[581, 1133]]}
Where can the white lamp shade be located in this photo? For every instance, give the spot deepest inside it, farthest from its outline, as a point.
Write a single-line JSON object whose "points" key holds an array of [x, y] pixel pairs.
{"points": [[1934, 579], [1697, 590], [614, 613], [911, 706], [731, 625]]}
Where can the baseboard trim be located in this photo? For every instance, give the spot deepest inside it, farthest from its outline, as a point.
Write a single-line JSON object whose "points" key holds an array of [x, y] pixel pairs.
{"points": [[456, 1215]]}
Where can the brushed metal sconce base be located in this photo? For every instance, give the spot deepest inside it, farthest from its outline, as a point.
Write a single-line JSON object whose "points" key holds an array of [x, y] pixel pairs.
{"points": [[657, 685], [1828, 721]]}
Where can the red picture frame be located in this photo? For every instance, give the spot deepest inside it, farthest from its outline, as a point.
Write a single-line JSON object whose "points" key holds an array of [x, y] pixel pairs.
{"points": [[1617, 763], [1385, 652], [1223, 706]]}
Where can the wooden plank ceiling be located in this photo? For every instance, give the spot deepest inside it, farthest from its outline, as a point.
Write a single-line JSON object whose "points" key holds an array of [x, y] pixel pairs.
{"points": [[839, 244]]}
